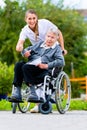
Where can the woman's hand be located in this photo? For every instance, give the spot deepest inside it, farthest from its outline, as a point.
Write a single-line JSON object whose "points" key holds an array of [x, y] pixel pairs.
{"points": [[27, 54], [19, 46], [64, 52], [43, 66]]}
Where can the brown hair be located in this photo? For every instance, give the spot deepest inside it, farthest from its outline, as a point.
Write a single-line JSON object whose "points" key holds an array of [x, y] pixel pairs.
{"points": [[31, 11]]}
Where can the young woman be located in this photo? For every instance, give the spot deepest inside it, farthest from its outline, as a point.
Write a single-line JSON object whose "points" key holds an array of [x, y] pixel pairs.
{"points": [[35, 31]]}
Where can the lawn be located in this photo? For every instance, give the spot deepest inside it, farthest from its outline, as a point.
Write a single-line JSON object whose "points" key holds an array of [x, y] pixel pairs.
{"points": [[75, 104]]}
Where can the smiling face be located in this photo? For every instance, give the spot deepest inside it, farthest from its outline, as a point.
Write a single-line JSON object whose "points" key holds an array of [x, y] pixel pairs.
{"points": [[50, 38], [31, 19]]}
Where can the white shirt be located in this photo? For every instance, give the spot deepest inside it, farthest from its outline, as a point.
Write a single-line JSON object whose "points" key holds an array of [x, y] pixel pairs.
{"points": [[43, 26], [47, 47]]}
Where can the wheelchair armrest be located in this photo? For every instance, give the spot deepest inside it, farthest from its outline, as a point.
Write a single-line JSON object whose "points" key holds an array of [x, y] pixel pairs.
{"points": [[55, 71]]}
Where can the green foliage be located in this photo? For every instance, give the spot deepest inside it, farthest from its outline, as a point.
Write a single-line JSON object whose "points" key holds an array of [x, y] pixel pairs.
{"points": [[76, 91], [10, 27], [70, 22], [6, 78], [72, 26]]}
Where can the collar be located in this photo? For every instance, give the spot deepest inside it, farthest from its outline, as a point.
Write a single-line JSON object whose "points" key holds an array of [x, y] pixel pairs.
{"points": [[47, 47]]}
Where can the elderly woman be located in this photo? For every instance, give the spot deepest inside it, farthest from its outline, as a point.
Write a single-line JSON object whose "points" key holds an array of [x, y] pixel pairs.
{"points": [[43, 57]]}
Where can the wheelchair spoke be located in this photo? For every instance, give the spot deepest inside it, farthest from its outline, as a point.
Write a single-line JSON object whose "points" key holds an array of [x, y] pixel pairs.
{"points": [[24, 107], [63, 93]]}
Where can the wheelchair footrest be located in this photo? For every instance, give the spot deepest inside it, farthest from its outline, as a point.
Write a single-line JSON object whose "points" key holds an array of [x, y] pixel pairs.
{"points": [[10, 99], [41, 100]]}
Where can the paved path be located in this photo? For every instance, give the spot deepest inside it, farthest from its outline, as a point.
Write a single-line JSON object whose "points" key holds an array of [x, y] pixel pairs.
{"points": [[71, 120]]}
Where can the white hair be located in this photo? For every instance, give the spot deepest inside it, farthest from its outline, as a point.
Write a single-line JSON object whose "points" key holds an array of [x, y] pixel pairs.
{"points": [[54, 30]]}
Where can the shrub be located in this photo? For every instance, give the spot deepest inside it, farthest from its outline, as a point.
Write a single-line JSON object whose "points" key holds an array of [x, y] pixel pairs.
{"points": [[6, 77]]}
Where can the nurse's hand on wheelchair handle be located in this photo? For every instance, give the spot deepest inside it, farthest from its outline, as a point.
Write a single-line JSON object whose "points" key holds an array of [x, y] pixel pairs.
{"points": [[64, 52]]}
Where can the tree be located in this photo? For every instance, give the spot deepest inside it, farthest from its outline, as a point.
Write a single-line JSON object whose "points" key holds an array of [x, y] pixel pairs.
{"points": [[11, 22], [70, 22], [6, 77]]}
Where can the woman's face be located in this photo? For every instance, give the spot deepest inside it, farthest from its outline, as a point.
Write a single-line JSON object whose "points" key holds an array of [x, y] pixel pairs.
{"points": [[31, 20], [50, 39]]}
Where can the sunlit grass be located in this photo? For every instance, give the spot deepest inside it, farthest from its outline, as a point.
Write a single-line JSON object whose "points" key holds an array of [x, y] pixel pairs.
{"points": [[74, 105]]}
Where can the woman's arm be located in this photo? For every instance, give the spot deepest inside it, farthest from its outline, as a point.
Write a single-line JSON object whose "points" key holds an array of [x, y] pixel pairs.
{"points": [[19, 46], [61, 41]]}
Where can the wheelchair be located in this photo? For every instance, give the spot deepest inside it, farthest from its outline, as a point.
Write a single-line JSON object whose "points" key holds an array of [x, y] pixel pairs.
{"points": [[57, 85]]}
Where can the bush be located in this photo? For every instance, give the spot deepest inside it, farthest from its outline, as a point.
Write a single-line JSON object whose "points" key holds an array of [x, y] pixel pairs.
{"points": [[76, 91], [6, 77]]}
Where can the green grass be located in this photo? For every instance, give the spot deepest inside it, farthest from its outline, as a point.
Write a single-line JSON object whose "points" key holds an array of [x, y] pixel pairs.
{"points": [[5, 105], [78, 105], [74, 105]]}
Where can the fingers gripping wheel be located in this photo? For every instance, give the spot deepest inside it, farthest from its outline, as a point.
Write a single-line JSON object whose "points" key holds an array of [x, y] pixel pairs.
{"points": [[45, 108]]}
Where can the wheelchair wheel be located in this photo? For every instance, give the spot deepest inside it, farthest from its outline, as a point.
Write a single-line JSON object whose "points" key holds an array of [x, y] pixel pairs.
{"points": [[14, 107], [63, 92], [45, 108], [24, 107]]}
